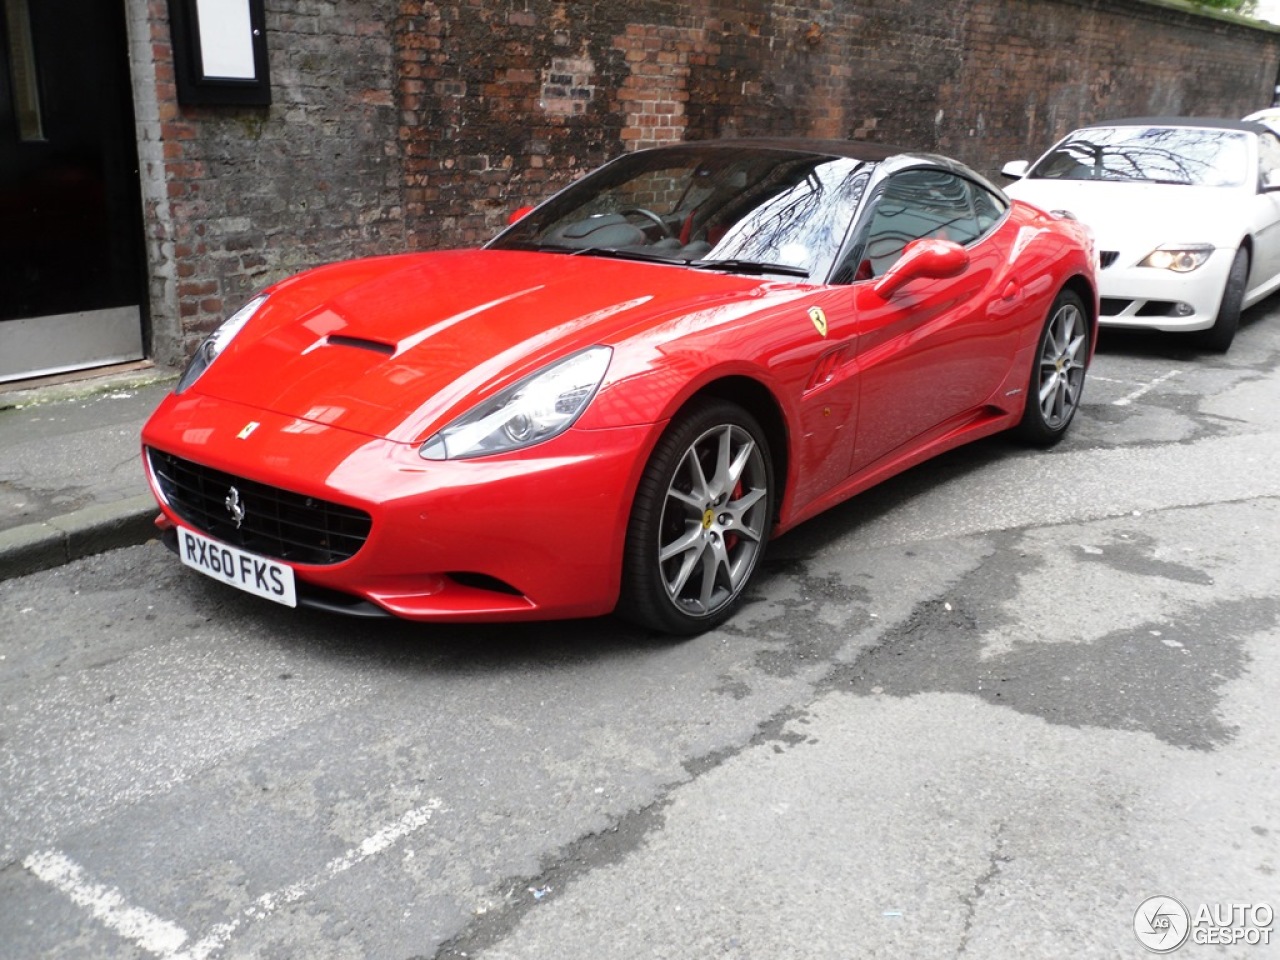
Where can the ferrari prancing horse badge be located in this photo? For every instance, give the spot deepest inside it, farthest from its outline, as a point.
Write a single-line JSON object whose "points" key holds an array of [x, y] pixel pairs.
{"points": [[819, 320]]}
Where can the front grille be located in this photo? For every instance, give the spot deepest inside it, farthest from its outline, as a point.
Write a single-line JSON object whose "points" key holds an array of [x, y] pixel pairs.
{"points": [[1113, 306], [1107, 257], [275, 523]]}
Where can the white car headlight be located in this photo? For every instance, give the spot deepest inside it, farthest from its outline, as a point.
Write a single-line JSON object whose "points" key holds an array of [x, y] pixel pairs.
{"points": [[537, 408], [216, 342], [1180, 258]]}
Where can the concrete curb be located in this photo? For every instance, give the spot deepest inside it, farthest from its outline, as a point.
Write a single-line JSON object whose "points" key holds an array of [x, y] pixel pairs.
{"points": [[59, 540], [17, 397]]}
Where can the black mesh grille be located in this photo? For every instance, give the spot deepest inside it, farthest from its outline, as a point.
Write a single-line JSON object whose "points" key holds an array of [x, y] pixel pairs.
{"points": [[275, 523], [1107, 257], [1113, 306], [1157, 308]]}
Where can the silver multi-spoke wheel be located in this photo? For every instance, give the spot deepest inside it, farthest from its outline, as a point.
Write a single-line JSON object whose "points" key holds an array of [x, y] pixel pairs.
{"points": [[713, 520], [1062, 356], [1057, 378], [700, 522]]}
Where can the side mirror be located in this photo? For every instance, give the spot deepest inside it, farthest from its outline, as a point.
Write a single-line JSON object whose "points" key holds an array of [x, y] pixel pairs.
{"points": [[1015, 169], [519, 214], [928, 258]]}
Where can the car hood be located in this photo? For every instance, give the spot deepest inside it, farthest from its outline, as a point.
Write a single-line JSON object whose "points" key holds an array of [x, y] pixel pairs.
{"points": [[1126, 216], [395, 347]]}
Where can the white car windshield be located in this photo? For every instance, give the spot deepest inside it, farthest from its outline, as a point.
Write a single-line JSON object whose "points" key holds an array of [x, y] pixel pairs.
{"points": [[1193, 156]]}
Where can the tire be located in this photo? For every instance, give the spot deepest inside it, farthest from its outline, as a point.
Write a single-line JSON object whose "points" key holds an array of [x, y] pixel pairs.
{"points": [[700, 522], [1057, 375], [1218, 337]]}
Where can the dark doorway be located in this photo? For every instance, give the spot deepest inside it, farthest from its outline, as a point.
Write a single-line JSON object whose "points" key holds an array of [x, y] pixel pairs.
{"points": [[71, 275]]}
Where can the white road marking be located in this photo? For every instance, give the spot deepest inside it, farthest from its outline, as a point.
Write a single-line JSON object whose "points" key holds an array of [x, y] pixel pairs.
{"points": [[165, 940], [107, 904], [1143, 390]]}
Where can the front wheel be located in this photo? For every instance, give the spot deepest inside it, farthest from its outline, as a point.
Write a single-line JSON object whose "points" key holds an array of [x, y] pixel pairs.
{"points": [[1057, 378], [700, 521], [1218, 337]]}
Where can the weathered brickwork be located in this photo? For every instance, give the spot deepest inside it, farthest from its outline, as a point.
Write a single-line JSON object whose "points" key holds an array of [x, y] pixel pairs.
{"points": [[420, 124], [1033, 71], [251, 195]]}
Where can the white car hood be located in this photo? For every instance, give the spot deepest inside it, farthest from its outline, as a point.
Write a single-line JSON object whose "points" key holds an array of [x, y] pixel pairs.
{"points": [[1138, 217]]}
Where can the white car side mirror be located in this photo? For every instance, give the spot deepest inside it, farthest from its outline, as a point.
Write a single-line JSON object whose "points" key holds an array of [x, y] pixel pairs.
{"points": [[1015, 169]]}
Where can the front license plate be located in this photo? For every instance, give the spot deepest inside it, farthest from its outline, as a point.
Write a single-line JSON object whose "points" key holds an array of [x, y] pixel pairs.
{"points": [[245, 571]]}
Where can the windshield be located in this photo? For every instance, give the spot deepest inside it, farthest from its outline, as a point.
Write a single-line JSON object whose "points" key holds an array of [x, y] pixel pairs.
{"points": [[741, 210], [1178, 155]]}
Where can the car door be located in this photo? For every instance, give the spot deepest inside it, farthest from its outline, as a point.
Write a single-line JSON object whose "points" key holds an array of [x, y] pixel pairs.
{"points": [[1265, 216], [933, 353]]}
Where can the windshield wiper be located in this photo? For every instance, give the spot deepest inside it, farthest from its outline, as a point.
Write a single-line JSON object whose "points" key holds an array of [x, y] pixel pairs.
{"points": [[731, 266], [616, 254], [611, 252], [750, 266]]}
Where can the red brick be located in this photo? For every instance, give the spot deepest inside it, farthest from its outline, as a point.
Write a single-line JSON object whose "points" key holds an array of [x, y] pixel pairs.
{"points": [[414, 126]]}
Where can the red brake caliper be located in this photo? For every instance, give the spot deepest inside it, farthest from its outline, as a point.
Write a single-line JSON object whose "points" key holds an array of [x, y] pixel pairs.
{"points": [[731, 539]]}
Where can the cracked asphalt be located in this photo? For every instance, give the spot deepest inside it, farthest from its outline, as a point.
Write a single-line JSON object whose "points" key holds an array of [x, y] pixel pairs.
{"points": [[984, 710]]}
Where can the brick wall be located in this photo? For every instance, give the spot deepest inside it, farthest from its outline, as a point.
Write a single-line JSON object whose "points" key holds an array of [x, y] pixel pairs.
{"points": [[414, 124], [235, 198], [1071, 61]]}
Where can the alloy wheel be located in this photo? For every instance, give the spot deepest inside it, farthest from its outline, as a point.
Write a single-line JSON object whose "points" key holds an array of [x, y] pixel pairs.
{"points": [[714, 520], [1062, 365]]}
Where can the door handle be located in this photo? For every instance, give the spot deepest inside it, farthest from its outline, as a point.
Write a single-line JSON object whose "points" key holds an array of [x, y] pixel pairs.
{"points": [[1011, 290]]}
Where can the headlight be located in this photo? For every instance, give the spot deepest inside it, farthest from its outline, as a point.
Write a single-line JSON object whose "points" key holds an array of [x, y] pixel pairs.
{"points": [[216, 342], [1182, 258], [537, 408]]}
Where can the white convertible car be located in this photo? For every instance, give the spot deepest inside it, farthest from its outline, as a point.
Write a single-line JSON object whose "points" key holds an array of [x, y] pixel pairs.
{"points": [[1186, 213]]}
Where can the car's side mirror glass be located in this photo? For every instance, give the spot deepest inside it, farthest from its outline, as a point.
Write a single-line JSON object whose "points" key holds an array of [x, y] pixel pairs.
{"points": [[1015, 169], [925, 258]]}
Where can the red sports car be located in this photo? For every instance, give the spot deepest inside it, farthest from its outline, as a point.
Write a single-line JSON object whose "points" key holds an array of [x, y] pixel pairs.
{"points": [[617, 402]]}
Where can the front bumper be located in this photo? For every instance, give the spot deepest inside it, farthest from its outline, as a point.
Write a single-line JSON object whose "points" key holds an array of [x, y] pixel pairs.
{"points": [[1152, 299], [533, 535]]}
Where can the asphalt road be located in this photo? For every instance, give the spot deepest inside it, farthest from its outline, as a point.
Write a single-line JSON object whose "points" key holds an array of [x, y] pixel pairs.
{"points": [[985, 710]]}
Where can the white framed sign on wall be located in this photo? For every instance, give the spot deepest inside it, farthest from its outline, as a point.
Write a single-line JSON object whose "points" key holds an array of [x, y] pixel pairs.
{"points": [[220, 52]]}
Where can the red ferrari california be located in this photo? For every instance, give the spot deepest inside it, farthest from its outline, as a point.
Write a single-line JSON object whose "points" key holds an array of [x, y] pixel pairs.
{"points": [[617, 402]]}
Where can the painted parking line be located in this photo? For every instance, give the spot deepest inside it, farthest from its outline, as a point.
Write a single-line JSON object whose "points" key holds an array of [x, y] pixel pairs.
{"points": [[107, 904], [1143, 390], [166, 940]]}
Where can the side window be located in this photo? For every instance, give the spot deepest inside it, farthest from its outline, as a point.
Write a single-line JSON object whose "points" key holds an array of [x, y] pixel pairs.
{"points": [[1268, 157], [988, 207], [915, 204]]}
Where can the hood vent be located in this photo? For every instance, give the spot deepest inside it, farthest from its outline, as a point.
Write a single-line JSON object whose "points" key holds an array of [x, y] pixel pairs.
{"points": [[386, 349]]}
